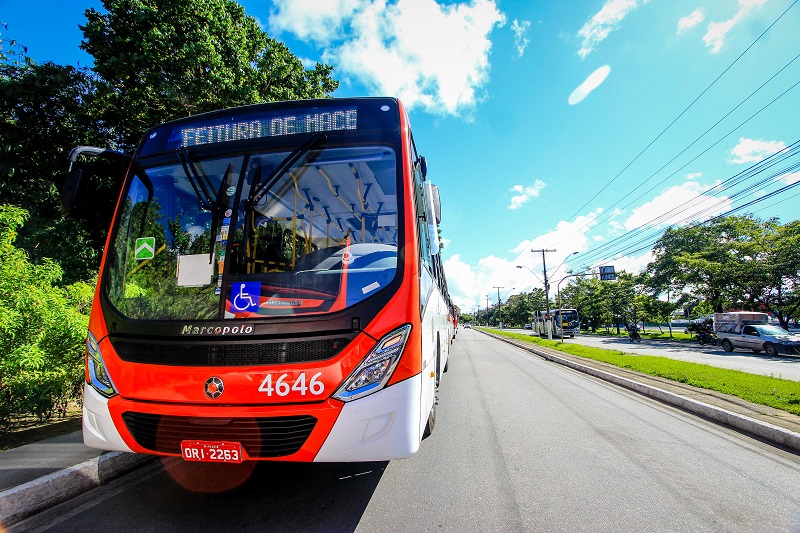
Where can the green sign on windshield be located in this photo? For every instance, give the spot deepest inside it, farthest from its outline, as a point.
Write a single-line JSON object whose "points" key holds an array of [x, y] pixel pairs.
{"points": [[145, 248]]}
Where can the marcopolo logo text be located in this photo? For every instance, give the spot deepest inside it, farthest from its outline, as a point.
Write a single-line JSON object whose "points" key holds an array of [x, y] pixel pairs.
{"points": [[243, 329]]}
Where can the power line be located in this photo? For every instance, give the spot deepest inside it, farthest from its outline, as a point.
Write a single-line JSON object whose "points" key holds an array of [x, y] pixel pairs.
{"points": [[726, 185], [649, 237], [683, 112]]}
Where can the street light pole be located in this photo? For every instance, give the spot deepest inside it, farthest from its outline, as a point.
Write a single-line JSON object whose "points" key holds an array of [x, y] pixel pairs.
{"points": [[546, 294]]}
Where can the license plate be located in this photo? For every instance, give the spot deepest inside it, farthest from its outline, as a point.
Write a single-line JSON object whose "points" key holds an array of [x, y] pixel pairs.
{"points": [[211, 451]]}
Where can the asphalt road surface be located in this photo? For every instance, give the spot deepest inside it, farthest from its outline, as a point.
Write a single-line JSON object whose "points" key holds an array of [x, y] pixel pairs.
{"points": [[746, 361], [521, 444]]}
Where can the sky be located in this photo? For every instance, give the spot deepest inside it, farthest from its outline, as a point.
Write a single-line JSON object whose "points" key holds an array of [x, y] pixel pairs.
{"points": [[582, 127]]}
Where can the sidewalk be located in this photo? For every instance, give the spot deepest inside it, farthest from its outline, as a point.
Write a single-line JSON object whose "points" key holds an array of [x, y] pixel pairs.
{"points": [[40, 475], [37, 476]]}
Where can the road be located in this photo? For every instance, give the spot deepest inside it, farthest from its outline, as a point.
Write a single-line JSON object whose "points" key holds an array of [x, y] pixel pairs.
{"points": [[521, 444], [781, 366]]}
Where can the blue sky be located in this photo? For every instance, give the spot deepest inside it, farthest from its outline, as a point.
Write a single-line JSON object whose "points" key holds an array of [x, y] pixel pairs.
{"points": [[549, 124]]}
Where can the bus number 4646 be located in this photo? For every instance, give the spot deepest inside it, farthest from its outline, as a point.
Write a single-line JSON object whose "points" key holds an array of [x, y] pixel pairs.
{"points": [[282, 386]]}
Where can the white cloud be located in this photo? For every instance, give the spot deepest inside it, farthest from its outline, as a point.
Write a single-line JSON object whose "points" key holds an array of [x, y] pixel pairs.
{"points": [[688, 201], [718, 31], [312, 19], [602, 23], [788, 179], [524, 194], [591, 83], [469, 284], [429, 55], [520, 29], [694, 175], [754, 150], [690, 21]]}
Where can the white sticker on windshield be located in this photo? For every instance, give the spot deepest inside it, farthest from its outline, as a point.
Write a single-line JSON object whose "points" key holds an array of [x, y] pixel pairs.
{"points": [[371, 287]]}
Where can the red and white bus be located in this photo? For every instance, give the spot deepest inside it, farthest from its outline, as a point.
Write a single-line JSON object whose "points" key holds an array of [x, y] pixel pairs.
{"points": [[271, 289]]}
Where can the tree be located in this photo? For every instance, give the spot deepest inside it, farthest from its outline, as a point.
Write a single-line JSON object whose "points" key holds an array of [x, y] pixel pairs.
{"points": [[161, 60], [736, 262], [519, 308], [155, 60], [589, 296], [47, 112], [43, 330]]}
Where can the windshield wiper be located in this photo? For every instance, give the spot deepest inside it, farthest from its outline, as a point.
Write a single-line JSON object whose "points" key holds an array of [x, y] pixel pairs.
{"points": [[200, 184], [216, 209], [258, 190], [203, 189]]}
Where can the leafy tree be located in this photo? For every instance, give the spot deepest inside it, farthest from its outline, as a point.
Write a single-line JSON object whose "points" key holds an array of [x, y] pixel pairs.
{"points": [[45, 108], [43, 330], [161, 60], [519, 308], [155, 60], [736, 262], [589, 296]]}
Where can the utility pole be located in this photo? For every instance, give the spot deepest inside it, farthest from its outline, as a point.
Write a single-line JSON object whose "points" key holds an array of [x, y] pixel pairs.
{"points": [[499, 307], [487, 310], [546, 294]]}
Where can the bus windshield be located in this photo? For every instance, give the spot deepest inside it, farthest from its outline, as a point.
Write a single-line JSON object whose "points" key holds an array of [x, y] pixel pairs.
{"points": [[569, 317], [255, 234]]}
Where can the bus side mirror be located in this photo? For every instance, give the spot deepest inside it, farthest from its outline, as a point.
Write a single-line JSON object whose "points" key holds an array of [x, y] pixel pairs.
{"points": [[71, 181], [423, 166], [69, 189]]}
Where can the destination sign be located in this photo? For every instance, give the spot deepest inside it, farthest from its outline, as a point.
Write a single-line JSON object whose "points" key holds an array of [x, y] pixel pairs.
{"points": [[273, 120], [271, 126]]}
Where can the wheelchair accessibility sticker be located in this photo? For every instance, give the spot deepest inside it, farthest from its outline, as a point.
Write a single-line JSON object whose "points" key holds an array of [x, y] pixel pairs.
{"points": [[246, 296]]}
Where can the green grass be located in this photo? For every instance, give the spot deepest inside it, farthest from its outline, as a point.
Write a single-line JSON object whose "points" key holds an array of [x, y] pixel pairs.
{"points": [[677, 334], [775, 392]]}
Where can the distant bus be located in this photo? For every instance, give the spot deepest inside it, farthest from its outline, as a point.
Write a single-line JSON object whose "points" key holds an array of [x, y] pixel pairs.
{"points": [[565, 322], [271, 289]]}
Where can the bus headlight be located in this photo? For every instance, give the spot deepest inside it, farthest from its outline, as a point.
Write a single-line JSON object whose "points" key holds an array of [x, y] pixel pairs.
{"points": [[376, 368], [96, 374]]}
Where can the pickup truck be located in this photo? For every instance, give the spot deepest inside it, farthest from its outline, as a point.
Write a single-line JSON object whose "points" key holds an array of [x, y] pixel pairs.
{"points": [[750, 332]]}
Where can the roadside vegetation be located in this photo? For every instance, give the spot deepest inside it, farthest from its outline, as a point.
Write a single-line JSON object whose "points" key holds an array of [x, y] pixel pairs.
{"points": [[728, 263], [772, 391]]}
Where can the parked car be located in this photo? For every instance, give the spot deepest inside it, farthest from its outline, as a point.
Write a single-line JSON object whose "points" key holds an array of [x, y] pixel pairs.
{"points": [[751, 331]]}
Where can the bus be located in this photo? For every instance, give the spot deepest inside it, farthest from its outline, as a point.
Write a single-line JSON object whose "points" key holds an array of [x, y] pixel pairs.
{"points": [[271, 288], [566, 322]]}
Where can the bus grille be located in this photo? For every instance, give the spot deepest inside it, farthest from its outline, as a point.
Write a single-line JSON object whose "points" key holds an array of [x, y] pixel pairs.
{"points": [[197, 354], [260, 437]]}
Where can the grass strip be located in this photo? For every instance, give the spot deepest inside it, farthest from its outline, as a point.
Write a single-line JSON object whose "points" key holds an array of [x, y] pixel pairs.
{"points": [[650, 334], [773, 391]]}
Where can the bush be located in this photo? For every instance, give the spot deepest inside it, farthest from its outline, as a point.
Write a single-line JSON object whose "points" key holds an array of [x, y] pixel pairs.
{"points": [[42, 330]]}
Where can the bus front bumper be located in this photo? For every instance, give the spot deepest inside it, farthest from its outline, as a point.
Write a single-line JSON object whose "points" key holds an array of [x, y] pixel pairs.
{"points": [[379, 427]]}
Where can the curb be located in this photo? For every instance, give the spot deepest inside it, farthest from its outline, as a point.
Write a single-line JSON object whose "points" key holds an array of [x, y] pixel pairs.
{"points": [[764, 430], [22, 501]]}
